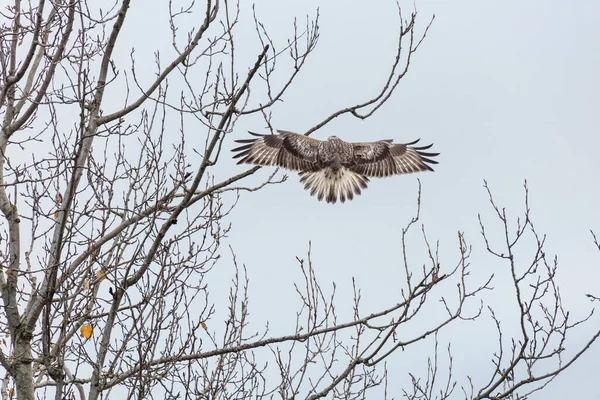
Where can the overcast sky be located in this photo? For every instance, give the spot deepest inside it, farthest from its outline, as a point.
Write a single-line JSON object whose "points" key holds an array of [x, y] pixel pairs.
{"points": [[506, 91]]}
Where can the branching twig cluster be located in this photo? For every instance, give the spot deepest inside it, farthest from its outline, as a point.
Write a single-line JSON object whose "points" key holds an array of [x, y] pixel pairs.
{"points": [[113, 222]]}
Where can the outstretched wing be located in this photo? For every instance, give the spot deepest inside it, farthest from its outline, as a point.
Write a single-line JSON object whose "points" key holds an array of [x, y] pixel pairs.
{"points": [[287, 149], [384, 158]]}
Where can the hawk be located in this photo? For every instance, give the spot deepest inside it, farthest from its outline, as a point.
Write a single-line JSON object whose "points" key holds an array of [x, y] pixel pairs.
{"points": [[332, 168]]}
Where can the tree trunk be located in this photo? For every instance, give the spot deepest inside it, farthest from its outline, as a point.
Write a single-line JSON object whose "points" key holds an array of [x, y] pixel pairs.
{"points": [[22, 371]]}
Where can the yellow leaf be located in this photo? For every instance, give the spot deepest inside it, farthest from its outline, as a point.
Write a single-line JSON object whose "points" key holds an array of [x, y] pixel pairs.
{"points": [[203, 325], [56, 214], [86, 284], [86, 330], [100, 275]]}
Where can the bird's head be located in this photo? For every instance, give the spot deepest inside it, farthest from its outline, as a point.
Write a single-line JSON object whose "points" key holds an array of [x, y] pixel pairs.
{"points": [[333, 138]]}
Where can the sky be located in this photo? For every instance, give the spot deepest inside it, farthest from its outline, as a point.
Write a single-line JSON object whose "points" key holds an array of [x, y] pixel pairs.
{"points": [[507, 92]]}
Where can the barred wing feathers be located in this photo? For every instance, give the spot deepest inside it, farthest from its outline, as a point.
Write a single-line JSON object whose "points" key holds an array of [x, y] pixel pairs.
{"points": [[288, 150], [334, 169], [384, 158]]}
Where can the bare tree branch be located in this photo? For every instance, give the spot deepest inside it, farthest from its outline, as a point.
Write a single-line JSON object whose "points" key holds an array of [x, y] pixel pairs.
{"points": [[114, 219]]}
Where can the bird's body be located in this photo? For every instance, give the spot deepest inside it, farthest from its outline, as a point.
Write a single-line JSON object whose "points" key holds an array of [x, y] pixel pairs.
{"points": [[333, 168], [334, 153]]}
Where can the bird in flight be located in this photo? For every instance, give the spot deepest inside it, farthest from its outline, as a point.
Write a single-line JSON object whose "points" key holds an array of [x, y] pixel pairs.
{"points": [[332, 168]]}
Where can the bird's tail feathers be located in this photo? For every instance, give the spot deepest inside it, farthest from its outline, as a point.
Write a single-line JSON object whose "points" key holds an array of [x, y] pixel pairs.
{"points": [[329, 184]]}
